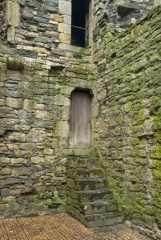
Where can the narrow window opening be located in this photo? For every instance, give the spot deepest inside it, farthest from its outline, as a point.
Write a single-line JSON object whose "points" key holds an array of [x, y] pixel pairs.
{"points": [[79, 28], [80, 117]]}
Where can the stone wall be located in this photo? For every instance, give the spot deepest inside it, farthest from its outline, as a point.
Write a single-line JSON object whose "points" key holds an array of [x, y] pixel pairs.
{"points": [[39, 70], [128, 128], [123, 13], [38, 73], [34, 133], [38, 23]]}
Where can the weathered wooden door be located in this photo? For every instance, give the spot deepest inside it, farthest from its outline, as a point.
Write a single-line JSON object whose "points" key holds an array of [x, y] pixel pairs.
{"points": [[80, 116]]}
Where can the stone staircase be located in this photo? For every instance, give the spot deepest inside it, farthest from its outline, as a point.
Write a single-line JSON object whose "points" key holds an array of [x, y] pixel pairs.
{"points": [[88, 196]]}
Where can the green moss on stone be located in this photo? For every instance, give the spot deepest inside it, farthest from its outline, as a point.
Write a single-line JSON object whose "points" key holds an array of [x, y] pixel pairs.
{"points": [[112, 182], [141, 115], [158, 136], [156, 152], [158, 217]]}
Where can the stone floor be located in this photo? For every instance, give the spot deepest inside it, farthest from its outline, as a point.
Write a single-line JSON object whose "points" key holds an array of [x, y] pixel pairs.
{"points": [[57, 227]]}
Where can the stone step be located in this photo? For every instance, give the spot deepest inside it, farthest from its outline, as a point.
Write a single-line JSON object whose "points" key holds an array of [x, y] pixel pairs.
{"points": [[95, 194], [85, 184], [113, 221], [81, 163], [89, 184], [90, 195], [98, 222], [103, 216], [96, 207], [115, 227], [89, 199], [90, 172], [103, 219], [82, 173]]}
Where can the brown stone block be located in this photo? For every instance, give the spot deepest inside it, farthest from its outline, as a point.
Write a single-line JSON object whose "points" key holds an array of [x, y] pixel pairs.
{"points": [[16, 191], [6, 171], [8, 199], [16, 151], [56, 19], [3, 207]]}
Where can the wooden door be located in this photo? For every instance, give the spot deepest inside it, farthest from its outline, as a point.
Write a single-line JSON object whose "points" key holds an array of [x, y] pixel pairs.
{"points": [[80, 116]]}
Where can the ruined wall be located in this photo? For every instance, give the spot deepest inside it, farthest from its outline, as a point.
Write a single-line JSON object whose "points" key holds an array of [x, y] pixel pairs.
{"points": [[128, 127], [123, 13]]}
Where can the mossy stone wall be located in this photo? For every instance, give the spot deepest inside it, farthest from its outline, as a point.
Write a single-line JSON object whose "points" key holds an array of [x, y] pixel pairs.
{"points": [[39, 69], [128, 126]]}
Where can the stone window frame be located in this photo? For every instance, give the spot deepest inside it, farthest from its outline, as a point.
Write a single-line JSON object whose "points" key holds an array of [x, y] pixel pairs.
{"points": [[64, 28]]}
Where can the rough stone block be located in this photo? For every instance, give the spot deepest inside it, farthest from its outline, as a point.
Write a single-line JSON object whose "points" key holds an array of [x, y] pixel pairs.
{"points": [[65, 113], [13, 14], [50, 8], [6, 171], [38, 106], [81, 152], [27, 146], [5, 160], [27, 13], [65, 7], [56, 18], [3, 207], [48, 151], [112, 221], [28, 105], [62, 129], [41, 50], [64, 28], [37, 160], [17, 137], [66, 90], [50, 159], [67, 19], [20, 171], [65, 38], [42, 114], [18, 160], [5, 192], [8, 199], [61, 100], [11, 34], [14, 102]]}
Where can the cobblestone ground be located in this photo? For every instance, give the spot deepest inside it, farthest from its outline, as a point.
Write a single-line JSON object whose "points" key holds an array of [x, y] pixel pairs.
{"points": [[57, 227]]}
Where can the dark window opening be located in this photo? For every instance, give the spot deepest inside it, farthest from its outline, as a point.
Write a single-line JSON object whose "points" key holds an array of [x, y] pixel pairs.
{"points": [[80, 9], [80, 119]]}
